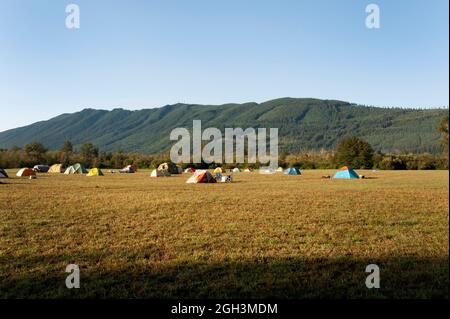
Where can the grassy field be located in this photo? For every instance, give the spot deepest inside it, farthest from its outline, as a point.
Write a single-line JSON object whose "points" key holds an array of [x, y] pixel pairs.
{"points": [[261, 236]]}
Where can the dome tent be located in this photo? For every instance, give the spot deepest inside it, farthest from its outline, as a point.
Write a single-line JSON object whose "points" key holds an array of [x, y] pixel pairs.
{"points": [[346, 173], [76, 169], [170, 167], [25, 172], [292, 171], [41, 168], [95, 172], [55, 168], [201, 177]]}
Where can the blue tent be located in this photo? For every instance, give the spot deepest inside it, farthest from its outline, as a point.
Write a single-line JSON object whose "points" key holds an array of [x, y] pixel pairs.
{"points": [[292, 171], [346, 173]]}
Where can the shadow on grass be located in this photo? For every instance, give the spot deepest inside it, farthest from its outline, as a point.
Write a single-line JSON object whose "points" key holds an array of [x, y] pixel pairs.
{"points": [[293, 278]]}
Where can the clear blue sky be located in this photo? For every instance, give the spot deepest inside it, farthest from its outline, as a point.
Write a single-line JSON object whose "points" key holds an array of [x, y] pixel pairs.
{"points": [[144, 54]]}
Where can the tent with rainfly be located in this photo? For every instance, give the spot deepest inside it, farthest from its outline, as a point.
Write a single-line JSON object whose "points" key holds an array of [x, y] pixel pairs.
{"points": [[292, 171], [3, 174], [25, 172], [76, 169], [189, 170], [201, 177], [346, 173], [95, 172]]}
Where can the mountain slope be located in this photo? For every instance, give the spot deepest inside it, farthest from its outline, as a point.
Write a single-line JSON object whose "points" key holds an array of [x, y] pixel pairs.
{"points": [[303, 124]]}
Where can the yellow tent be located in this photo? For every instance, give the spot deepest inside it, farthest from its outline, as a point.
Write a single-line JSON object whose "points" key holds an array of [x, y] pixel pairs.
{"points": [[56, 168], [95, 172], [217, 170]]}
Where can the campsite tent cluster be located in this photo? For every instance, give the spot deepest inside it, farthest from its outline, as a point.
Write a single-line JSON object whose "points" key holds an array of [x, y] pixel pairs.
{"points": [[167, 169], [56, 168]]}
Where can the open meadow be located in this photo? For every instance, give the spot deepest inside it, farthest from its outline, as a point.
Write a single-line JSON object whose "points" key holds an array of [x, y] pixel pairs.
{"points": [[261, 236]]}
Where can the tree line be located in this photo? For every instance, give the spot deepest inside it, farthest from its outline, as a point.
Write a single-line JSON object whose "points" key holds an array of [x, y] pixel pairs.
{"points": [[350, 151]]}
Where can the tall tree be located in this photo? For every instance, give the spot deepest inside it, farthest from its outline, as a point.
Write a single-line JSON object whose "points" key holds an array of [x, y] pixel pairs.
{"points": [[354, 152], [88, 153], [67, 147], [35, 150], [66, 152]]}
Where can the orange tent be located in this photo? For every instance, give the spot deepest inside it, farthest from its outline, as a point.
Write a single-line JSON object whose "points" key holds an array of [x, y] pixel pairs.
{"points": [[201, 177], [205, 177]]}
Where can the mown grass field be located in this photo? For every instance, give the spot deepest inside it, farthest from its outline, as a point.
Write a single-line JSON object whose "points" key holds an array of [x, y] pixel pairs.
{"points": [[261, 236]]}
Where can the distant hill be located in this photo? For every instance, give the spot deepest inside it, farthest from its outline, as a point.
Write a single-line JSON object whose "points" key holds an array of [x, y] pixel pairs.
{"points": [[304, 124]]}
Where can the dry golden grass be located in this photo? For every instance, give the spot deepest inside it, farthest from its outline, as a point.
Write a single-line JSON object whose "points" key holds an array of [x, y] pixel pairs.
{"points": [[261, 236]]}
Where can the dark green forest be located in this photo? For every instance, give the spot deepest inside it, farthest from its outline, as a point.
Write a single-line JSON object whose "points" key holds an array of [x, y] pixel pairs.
{"points": [[304, 125]]}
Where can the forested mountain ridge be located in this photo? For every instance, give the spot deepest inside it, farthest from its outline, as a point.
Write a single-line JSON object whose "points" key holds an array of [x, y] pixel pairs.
{"points": [[304, 124]]}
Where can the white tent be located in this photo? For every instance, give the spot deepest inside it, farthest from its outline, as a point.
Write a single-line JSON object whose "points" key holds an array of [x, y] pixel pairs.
{"points": [[70, 170], [236, 170]]}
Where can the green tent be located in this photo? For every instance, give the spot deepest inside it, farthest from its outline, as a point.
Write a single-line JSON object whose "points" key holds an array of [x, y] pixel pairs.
{"points": [[76, 169]]}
